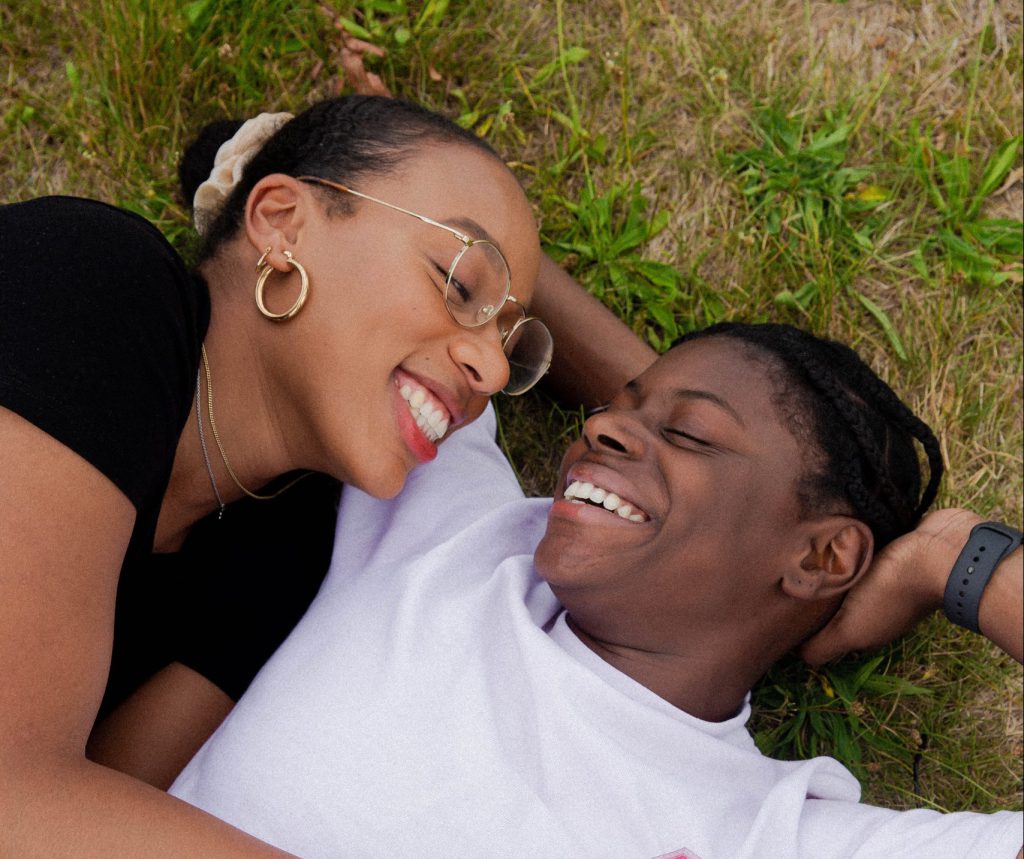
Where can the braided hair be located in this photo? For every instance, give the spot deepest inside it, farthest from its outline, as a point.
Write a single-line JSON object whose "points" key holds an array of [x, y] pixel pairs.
{"points": [[341, 139], [861, 432]]}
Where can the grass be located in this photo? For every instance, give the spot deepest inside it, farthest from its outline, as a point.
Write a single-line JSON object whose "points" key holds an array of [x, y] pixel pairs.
{"points": [[852, 167]]}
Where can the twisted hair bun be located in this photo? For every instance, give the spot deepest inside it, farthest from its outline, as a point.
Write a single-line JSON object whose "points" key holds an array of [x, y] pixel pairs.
{"points": [[197, 161], [341, 139]]}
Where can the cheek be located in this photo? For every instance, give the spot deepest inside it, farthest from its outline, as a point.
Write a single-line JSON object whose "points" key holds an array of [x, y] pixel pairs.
{"points": [[574, 452], [715, 508], [474, 409]]}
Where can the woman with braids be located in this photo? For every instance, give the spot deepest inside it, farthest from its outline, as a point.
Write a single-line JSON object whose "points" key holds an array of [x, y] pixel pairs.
{"points": [[366, 282], [452, 694]]}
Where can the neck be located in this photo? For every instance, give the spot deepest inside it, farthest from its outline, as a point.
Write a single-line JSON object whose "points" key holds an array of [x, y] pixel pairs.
{"points": [[704, 672], [250, 428]]}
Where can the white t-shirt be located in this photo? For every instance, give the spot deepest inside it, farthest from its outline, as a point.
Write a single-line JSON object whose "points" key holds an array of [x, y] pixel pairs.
{"points": [[434, 703]]}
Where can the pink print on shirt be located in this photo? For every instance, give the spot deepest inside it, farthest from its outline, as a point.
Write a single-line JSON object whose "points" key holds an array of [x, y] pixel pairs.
{"points": [[678, 854]]}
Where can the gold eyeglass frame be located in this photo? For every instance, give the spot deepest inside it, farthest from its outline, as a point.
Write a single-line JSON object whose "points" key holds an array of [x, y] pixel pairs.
{"points": [[491, 311], [467, 242]]}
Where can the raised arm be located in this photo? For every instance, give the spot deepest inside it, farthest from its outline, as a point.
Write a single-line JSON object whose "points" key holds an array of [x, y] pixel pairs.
{"points": [[906, 583], [63, 532], [595, 352]]}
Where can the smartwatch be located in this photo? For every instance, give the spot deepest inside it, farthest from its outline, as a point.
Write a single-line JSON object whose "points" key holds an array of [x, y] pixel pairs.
{"points": [[988, 544]]}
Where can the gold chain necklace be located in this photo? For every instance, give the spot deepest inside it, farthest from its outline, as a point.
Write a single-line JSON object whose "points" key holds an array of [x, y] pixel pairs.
{"points": [[202, 445], [220, 446]]}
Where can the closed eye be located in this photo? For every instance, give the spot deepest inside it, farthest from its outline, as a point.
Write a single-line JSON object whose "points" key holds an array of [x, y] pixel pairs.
{"points": [[678, 433], [461, 293]]}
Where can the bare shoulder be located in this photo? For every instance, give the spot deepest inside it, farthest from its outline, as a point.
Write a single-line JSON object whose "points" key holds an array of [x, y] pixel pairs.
{"points": [[64, 528]]}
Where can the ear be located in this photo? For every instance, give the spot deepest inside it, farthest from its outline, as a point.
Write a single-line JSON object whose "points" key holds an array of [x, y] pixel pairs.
{"points": [[838, 552], [275, 213]]}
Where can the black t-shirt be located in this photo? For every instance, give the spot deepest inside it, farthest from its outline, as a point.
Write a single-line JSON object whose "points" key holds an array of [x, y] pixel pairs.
{"points": [[100, 331]]}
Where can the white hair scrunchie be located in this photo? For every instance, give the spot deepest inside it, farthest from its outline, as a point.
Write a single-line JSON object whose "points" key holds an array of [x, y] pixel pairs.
{"points": [[228, 165]]}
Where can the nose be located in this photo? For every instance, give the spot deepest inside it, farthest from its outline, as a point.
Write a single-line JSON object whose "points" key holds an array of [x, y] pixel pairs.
{"points": [[614, 432], [478, 354]]}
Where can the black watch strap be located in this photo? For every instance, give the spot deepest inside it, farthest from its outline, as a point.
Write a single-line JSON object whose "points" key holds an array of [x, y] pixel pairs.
{"points": [[988, 544]]}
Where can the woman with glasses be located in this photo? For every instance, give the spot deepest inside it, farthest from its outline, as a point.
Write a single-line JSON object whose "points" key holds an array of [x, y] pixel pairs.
{"points": [[366, 281]]}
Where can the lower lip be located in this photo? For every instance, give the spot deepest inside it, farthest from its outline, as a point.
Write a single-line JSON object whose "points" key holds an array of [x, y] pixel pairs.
{"points": [[422, 448], [588, 513]]}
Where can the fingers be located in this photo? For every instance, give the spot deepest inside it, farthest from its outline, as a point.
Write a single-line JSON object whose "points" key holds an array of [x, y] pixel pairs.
{"points": [[362, 81], [358, 46], [828, 644]]}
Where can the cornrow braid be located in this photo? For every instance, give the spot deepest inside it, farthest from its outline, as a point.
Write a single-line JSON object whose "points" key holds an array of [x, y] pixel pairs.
{"points": [[342, 139], [861, 432]]}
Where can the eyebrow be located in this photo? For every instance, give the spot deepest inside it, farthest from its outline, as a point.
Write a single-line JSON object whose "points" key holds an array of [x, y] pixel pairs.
{"points": [[694, 394], [469, 226]]}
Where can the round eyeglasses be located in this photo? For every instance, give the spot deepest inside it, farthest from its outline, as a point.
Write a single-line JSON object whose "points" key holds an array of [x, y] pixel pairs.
{"points": [[527, 345], [476, 290]]}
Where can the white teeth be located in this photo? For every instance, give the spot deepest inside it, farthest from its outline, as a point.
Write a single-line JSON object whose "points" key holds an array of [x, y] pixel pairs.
{"points": [[429, 415], [578, 492]]}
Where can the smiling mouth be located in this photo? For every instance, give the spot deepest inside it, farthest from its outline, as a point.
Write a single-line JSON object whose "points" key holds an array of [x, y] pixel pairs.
{"points": [[431, 417], [587, 493]]}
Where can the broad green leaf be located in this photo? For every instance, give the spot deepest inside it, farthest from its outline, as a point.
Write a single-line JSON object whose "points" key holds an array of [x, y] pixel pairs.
{"points": [[355, 29], [431, 13], [963, 253], [570, 124], [865, 671], [575, 54], [658, 223], [571, 56], [469, 119], [1002, 236], [663, 316], [829, 140], [864, 240], [995, 171], [630, 238], [660, 274], [883, 319], [195, 10]]}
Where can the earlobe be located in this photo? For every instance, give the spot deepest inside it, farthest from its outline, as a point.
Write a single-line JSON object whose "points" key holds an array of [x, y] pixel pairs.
{"points": [[274, 215], [838, 554]]}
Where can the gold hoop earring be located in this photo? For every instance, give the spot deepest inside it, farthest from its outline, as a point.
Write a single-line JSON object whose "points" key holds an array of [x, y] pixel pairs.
{"points": [[261, 282]]}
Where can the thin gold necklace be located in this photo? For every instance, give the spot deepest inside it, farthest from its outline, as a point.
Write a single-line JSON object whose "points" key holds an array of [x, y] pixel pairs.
{"points": [[202, 444], [220, 446]]}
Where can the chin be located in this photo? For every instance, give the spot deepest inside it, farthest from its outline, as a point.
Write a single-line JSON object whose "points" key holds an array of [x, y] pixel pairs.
{"points": [[385, 487], [559, 564], [383, 482]]}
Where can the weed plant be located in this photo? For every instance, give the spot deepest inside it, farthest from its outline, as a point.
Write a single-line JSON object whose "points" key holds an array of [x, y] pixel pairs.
{"points": [[851, 167]]}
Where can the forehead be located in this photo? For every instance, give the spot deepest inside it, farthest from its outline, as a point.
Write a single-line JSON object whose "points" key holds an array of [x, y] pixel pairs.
{"points": [[468, 189], [460, 186], [741, 378]]}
